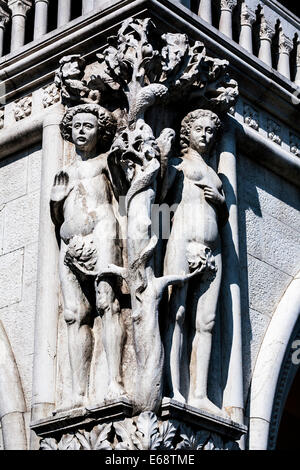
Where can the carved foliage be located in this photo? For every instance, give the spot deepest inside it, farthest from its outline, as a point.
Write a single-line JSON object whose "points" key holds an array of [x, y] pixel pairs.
{"points": [[23, 108], [145, 432], [51, 95]]}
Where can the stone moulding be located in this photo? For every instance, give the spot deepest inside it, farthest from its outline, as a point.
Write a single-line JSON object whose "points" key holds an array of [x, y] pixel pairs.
{"points": [[114, 427]]}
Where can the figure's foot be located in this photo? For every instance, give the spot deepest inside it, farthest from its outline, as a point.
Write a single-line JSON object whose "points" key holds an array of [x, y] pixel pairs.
{"points": [[115, 391], [206, 405], [177, 396]]}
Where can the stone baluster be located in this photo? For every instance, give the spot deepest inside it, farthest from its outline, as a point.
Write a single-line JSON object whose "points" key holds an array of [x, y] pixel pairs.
{"points": [[266, 34], [225, 25], [63, 12], [4, 18], [247, 20], [297, 79], [87, 6], [40, 18], [285, 48], [19, 9], [205, 11]]}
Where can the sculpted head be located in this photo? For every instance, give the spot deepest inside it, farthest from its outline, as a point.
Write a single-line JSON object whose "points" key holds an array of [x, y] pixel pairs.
{"points": [[198, 131], [88, 126]]}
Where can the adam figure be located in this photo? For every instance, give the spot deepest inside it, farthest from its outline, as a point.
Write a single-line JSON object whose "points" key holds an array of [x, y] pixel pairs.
{"points": [[82, 210]]}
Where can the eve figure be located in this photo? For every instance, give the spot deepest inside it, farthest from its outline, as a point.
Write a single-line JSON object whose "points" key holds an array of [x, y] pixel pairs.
{"points": [[197, 193], [82, 210]]}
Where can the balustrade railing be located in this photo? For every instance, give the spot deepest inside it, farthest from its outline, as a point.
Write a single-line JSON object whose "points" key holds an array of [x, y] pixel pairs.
{"points": [[263, 28]]}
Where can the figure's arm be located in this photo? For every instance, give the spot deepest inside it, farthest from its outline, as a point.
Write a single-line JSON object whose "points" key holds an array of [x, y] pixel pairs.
{"points": [[60, 191], [216, 197]]}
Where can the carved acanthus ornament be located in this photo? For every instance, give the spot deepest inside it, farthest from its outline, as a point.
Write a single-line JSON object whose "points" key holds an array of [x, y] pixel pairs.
{"points": [[19, 7], [4, 15], [247, 15], [228, 5], [285, 44], [144, 432], [51, 95], [23, 108], [266, 31]]}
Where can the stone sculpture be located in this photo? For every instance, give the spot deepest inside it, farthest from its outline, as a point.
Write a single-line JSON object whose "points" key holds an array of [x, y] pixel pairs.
{"points": [[195, 237], [140, 74], [82, 210]]}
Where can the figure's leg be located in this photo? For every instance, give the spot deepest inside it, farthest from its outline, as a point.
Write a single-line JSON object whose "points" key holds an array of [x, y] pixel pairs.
{"points": [[78, 316], [206, 307], [174, 340], [112, 335]]}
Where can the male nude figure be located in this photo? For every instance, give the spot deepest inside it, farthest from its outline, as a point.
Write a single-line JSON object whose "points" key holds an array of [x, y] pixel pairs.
{"points": [[82, 210]]}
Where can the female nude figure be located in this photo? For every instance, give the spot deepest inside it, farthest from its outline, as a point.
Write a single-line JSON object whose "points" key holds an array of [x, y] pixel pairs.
{"points": [[82, 210], [197, 192]]}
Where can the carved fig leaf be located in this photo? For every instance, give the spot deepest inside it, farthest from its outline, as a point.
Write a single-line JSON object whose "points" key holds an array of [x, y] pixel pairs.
{"points": [[49, 444], [147, 431]]}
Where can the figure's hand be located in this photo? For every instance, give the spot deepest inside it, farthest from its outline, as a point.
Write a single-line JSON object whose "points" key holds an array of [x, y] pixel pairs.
{"points": [[213, 195], [61, 187]]}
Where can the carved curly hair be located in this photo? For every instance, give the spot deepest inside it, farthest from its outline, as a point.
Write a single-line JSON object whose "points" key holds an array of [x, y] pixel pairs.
{"points": [[188, 121], [106, 123]]}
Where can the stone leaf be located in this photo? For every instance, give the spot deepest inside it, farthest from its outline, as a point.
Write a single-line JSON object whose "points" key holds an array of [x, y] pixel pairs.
{"points": [[191, 440], [147, 431], [167, 431], [49, 444], [69, 442], [125, 430]]}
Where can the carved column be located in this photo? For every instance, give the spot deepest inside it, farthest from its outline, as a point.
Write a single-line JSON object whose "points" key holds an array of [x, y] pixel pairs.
{"points": [[4, 17], [247, 20], [297, 79], [44, 367], [205, 10], [285, 48], [63, 12], [19, 9], [225, 25], [231, 296], [41, 18], [266, 34], [87, 6]]}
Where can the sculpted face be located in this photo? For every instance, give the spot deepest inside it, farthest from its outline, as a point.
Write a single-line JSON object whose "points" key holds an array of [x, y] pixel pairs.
{"points": [[85, 131], [202, 134]]}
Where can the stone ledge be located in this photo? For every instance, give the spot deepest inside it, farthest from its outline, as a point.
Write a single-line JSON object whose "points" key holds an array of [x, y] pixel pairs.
{"points": [[63, 422], [81, 417], [171, 409]]}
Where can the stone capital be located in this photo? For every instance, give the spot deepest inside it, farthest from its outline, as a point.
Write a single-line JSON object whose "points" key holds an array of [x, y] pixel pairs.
{"points": [[19, 7], [247, 15], [285, 44], [266, 31], [4, 14], [228, 5], [41, 1]]}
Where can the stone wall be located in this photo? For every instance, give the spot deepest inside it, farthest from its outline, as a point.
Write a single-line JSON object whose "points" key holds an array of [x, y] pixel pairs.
{"points": [[19, 227], [269, 244]]}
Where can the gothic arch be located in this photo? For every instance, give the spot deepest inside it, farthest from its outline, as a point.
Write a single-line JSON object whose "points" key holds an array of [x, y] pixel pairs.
{"points": [[12, 403], [273, 373]]}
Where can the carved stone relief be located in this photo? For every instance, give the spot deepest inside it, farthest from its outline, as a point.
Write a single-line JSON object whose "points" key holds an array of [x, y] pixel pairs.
{"points": [[143, 127], [23, 108], [51, 95], [144, 432], [274, 131], [251, 117]]}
